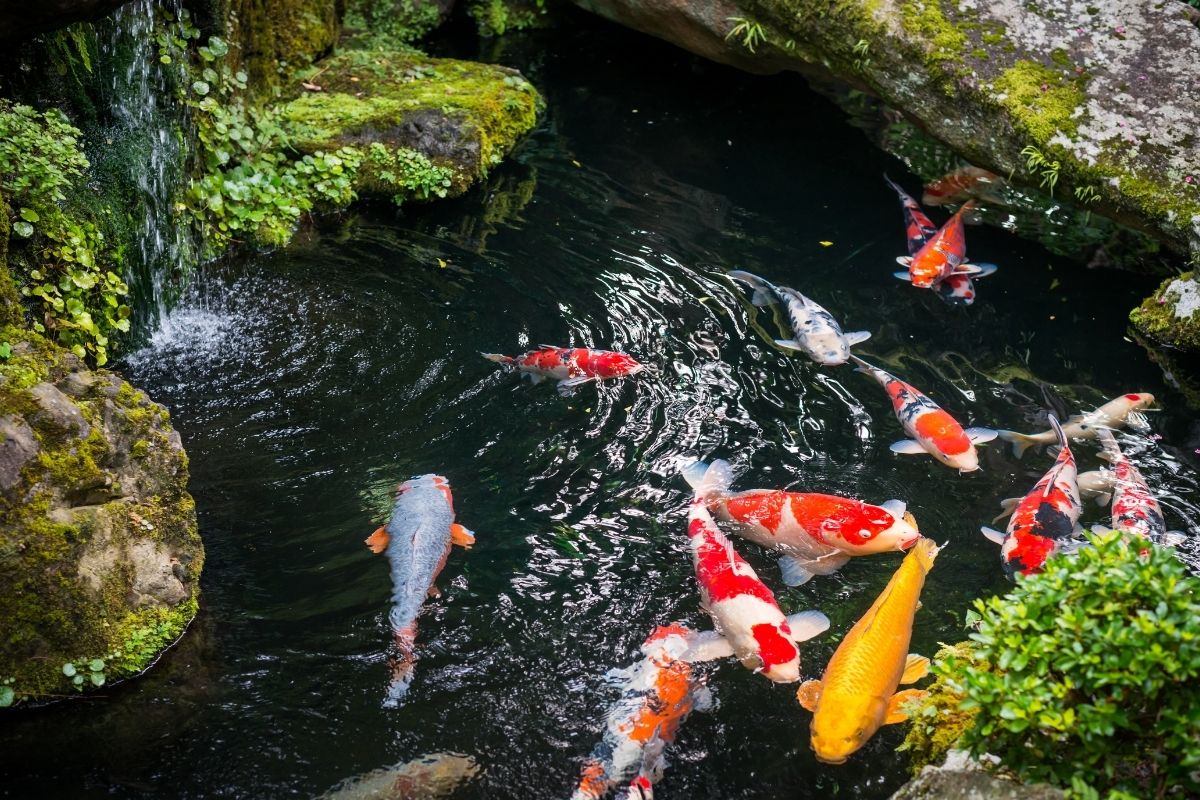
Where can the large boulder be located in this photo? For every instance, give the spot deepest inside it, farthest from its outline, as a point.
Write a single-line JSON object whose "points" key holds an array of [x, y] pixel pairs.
{"points": [[427, 126], [961, 778], [1172, 314], [100, 558], [1100, 99]]}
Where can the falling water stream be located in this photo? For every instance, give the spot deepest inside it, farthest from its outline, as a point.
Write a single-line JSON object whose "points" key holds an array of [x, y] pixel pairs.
{"points": [[307, 383], [147, 135]]}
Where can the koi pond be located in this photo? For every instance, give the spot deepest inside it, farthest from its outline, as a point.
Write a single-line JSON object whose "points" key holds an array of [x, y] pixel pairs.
{"points": [[308, 383]]}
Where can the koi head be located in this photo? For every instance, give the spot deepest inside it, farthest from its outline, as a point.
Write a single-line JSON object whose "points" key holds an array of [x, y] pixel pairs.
{"points": [[613, 365], [967, 461], [927, 268], [1139, 400], [836, 737]]}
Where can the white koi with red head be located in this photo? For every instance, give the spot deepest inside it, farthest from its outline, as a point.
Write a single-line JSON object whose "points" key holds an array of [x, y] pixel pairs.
{"points": [[933, 431], [1134, 508], [570, 366], [962, 184], [1046, 520], [816, 533], [741, 605], [1116, 413]]}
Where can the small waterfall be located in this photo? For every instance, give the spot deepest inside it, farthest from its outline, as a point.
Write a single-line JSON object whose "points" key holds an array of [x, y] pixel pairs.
{"points": [[145, 151]]}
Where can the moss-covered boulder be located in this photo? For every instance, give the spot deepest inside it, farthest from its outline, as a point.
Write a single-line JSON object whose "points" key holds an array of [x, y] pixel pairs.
{"points": [[960, 778], [99, 553], [426, 126], [273, 38], [1100, 100], [1172, 314]]}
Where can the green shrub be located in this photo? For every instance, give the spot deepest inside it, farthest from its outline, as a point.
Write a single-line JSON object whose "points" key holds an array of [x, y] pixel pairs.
{"points": [[1087, 675], [58, 257]]}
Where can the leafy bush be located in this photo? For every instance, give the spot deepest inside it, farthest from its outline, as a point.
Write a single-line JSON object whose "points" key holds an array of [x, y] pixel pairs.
{"points": [[1087, 675], [76, 300]]}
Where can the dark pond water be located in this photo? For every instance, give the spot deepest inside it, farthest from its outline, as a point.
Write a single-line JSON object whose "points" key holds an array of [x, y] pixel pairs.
{"points": [[306, 384]]}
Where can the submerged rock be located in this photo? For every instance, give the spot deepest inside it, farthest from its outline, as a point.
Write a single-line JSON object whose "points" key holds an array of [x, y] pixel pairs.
{"points": [[961, 778], [100, 558], [428, 126]]}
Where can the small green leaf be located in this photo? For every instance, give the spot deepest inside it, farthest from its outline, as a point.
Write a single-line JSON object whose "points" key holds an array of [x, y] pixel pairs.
{"points": [[200, 87], [29, 215], [23, 229], [68, 669], [96, 665]]}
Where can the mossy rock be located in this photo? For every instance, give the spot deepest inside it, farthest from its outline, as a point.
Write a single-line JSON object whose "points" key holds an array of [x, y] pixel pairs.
{"points": [[100, 557], [460, 115], [1172, 314], [273, 38]]}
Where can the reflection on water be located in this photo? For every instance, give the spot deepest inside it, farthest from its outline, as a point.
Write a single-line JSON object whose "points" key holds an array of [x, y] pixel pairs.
{"points": [[308, 383]]}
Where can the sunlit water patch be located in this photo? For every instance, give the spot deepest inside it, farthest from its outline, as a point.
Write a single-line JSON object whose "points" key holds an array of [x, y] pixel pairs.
{"points": [[308, 383]]}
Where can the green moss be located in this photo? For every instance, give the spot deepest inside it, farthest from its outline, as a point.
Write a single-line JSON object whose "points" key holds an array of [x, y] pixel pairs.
{"points": [[980, 53], [1060, 57], [937, 722], [369, 96], [140, 449], [143, 635], [1155, 318], [924, 19], [497, 17], [388, 24], [1040, 100], [272, 40]]}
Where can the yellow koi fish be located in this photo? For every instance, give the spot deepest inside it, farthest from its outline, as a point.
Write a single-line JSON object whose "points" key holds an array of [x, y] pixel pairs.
{"points": [[857, 694]]}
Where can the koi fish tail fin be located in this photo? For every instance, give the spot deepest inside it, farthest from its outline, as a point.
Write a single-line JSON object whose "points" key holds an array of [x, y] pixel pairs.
{"points": [[1020, 442], [764, 292], [594, 783], [1112, 451], [709, 479], [400, 664], [499, 359], [1058, 431]]}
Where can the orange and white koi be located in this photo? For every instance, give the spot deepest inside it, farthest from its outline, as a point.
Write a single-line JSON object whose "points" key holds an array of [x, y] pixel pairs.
{"points": [[1134, 508], [936, 258], [815, 533], [1046, 520], [657, 695], [742, 607], [963, 184], [417, 541], [1116, 413], [570, 366], [814, 330], [933, 431], [857, 694]]}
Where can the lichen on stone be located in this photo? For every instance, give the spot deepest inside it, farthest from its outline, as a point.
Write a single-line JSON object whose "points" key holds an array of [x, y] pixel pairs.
{"points": [[1172, 314]]}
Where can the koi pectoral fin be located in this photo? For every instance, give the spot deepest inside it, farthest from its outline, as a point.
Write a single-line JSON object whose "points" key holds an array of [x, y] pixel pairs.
{"points": [[896, 711], [980, 435], [993, 535], [857, 337], [904, 276], [807, 624], [1007, 506], [461, 536], [566, 387], [789, 344], [707, 646], [809, 694], [915, 668], [378, 541], [967, 269], [907, 447]]}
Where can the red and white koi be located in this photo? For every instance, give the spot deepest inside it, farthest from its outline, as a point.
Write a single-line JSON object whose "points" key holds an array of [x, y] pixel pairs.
{"points": [[1134, 508], [815, 533], [742, 607], [657, 695], [935, 256], [814, 330], [1116, 413], [1046, 520], [417, 541], [933, 431], [963, 184], [570, 366]]}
